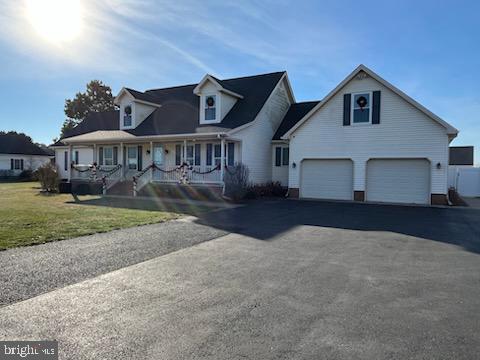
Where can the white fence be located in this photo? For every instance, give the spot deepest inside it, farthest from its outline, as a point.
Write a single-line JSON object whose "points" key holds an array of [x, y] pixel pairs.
{"points": [[465, 179]]}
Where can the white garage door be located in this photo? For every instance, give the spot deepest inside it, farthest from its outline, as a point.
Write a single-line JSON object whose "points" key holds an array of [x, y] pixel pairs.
{"points": [[327, 179], [399, 181]]}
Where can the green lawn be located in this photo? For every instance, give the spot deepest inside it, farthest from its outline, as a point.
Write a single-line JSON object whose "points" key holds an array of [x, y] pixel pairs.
{"points": [[28, 217]]}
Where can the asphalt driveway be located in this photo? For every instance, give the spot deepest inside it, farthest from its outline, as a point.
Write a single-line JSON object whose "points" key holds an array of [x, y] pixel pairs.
{"points": [[292, 280]]}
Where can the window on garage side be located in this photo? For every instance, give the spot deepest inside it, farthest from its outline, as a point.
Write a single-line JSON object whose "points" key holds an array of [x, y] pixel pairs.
{"points": [[361, 108], [281, 156]]}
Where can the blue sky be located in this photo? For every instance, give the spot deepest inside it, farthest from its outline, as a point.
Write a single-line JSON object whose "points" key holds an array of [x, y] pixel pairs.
{"points": [[429, 49]]}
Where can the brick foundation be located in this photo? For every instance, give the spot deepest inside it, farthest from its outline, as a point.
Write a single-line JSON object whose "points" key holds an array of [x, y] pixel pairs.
{"points": [[293, 193], [439, 199], [359, 195]]}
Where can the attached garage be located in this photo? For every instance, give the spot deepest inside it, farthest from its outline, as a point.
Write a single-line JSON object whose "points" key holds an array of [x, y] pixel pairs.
{"points": [[398, 181], [327, 179]]}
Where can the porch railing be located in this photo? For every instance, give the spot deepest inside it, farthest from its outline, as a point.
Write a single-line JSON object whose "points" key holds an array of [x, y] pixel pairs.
{"points": [[111, 177], [187, 174], [182, 174]]}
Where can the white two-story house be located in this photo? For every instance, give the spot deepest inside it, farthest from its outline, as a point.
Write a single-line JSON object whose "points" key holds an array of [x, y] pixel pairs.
{"points": [[365, 141]]}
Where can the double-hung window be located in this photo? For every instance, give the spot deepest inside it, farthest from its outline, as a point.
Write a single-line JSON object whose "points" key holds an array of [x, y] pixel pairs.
{"points": [[217, 154], [281, 156], [361, 108], [210, 105], [108, 155], [17, 164], [127, 116]]}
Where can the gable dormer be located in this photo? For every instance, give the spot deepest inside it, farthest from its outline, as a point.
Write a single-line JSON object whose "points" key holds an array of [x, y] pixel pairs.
{"points": [[133, 111], [216, 100]]}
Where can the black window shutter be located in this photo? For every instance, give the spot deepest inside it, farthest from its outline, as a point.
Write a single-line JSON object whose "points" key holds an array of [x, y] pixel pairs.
{"points": [[231, 154], [197, 154], [21, 164], [209, 154], [115, 155], [278, 156], [100, 155], [12, 164], [65, 160], [347, 103], [376, 108], [77, 156], [285, 156], [140, 165], [178, 154]]}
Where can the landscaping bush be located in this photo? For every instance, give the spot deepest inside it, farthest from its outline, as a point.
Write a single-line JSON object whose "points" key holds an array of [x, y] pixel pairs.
{"points": [[26, 175], [270, 189], [236, 181], [48, 177]]}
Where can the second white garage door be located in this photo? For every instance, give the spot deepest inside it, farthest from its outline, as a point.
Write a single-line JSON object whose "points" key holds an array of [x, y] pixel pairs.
{"points": [[399, 181], [327, 179]]}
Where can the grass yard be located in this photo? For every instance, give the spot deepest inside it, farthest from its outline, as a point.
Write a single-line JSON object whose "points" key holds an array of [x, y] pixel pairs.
{"points": [[28, 217]]}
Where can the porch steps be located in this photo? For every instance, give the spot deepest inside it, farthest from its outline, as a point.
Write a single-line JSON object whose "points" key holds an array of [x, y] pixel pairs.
{"points": [[122, 188], [210, 192]]}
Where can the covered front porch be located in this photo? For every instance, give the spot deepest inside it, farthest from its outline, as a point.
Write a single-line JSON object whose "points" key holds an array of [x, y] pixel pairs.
{"points": [[199, 160]]}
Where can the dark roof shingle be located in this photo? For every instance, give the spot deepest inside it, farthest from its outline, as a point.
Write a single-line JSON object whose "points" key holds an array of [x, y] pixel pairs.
{"points": [[12, 143], [294, 114], [179, 110]]}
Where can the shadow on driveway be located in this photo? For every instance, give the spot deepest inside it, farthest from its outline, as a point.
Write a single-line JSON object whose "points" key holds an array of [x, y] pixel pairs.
{"points": [[264, 220]]}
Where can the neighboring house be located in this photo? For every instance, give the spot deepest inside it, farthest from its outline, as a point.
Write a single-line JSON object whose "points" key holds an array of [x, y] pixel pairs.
{"points": [[18, 153], [462, 175], [460, 156], [366, 140]]}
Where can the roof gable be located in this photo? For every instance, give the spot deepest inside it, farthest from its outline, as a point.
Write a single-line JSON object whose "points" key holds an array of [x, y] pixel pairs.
{"points": [[219, 84], [450, 129]]}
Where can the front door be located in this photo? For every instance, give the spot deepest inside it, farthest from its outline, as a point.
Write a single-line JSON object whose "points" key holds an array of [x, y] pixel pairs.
{"points": [[158, 155], [132, 158]]}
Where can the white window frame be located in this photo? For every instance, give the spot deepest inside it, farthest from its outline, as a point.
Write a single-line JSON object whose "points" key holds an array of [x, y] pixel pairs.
{"points": [[132, 116], [369, 107], [218, 102], [105, 157], [15, 162], [282, 148], [135, 147]]}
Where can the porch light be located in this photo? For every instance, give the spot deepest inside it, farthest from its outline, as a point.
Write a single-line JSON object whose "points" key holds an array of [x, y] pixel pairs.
{"points": [[439, 166], [294, 165]]}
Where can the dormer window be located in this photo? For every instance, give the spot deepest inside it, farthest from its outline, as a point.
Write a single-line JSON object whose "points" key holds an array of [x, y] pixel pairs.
{"points": [[127, 116], [210, 108]]}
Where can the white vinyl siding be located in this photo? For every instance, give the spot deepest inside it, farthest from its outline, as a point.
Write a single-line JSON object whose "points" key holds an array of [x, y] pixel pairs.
{"points": [[398, 181], [32, 162], [403, 132], [327, 179], [256, 139]]}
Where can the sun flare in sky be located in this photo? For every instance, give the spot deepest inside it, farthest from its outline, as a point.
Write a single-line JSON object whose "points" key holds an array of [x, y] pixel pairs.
{"points": [[57, 21]]}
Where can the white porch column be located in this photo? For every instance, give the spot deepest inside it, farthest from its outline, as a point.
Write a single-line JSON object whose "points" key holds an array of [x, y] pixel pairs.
{"points": [[122, 162], [222, 159], [151, 161], [70, 149], [184, 151]]}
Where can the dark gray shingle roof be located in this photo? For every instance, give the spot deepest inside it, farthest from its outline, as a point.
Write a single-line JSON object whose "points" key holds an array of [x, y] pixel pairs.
{"points": [[179, 111], [11, 143], [461, 155], [294, 114]]}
